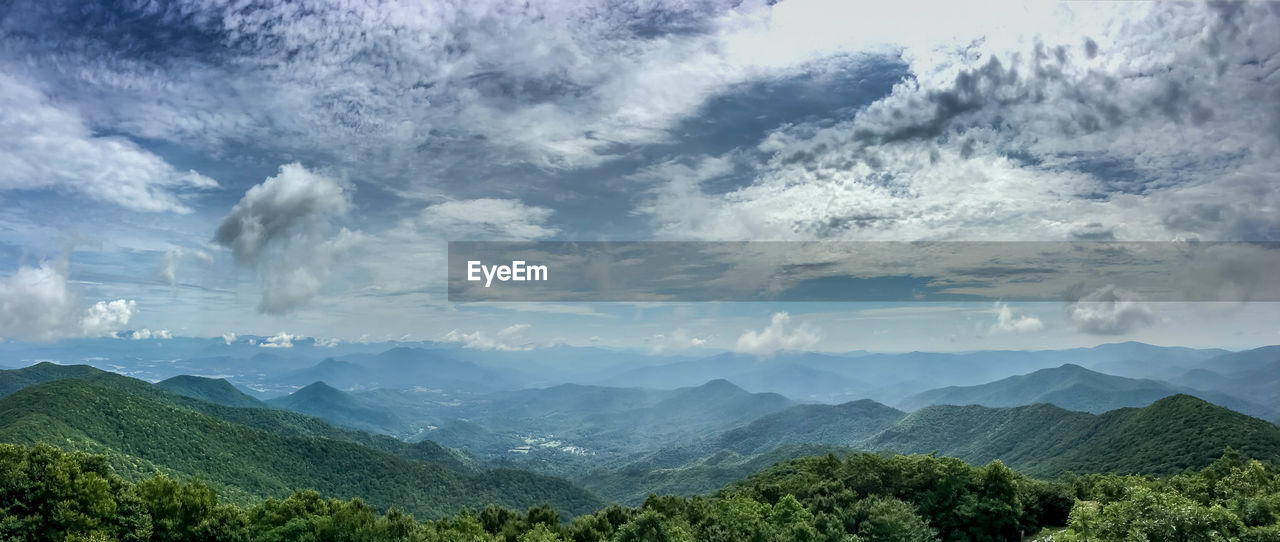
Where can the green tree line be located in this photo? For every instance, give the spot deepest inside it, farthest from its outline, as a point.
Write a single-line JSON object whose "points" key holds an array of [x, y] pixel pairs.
{"points": [[50, 494]]}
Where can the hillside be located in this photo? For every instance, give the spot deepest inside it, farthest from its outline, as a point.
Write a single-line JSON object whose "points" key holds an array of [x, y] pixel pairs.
{"points": [[325, 402], [210, 390], [1075, 388], [140, 435]]}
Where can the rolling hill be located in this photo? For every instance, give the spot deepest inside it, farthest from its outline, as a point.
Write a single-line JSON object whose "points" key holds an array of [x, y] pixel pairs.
{"points": [[210, 390], [140, 435], [333, 405], [1075, 388]]}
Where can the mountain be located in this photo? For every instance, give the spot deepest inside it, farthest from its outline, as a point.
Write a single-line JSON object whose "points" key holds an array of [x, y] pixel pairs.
{"points": [[210, 390], [405, 367], [1169, 435], [343, 374], [280, 422], [631, 485], [140, 435], [325, 402], [1074, 388], [783, 375], [1252, 375]]}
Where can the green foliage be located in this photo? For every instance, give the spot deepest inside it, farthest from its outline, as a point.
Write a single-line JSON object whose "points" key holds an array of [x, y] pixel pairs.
{"points": [[1230, 500], [141, 435]]}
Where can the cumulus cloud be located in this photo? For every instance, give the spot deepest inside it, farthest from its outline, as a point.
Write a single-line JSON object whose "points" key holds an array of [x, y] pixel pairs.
{"points": [[45, 146], [1109, 311], [676, 341], [279, 340], [283, 228], [328, 343], [1007, 321], [144, 334], [228, 337], [778, 336], [507, 339], [36, 303], [107, 317]]}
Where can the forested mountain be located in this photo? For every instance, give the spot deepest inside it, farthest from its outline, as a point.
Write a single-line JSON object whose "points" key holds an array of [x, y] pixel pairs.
{"points": [[1075, 388], [211, 390], [141, 435], [325, 402], [1171, 434]]}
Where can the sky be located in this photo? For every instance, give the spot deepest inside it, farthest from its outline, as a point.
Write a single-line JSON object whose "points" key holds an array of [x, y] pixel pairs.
{"points": [[296, 169]]}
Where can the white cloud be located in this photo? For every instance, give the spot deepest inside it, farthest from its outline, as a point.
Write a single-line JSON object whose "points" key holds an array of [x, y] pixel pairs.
{"points": [[1109, 311], [507, 339], [279, 340], [778, 336], [283, 229], [107, 317], [45, 146], [228, 337], [487, 219], [676, 341], [144, 334], [1007, 321], [37, 303], [328, 343]]}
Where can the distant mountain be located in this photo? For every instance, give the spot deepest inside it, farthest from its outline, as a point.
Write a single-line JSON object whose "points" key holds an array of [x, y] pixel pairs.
{"points": [[781, 375], [404, 367], [1252, 375], [325, 402], [140, 435], [344, 374], [212, 390], [1074, 388]]}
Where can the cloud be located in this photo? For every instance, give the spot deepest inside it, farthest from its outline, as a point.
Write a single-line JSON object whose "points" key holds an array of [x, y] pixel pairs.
{"points": [[45, 146], [1109, 311], [487, 219], [1007, 322], [776, 337], [107, 317], [676, 341], [283, 229], [171, 259], [279, 340], [228, 337], [508, 339], [1157, 122], [328, 343], [144, 334], [37, 304]]}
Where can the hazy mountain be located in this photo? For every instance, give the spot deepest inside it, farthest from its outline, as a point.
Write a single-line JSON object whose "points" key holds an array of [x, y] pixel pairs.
{"points": [[325, 402], [212, 390], [1252, 375], [782, 375], [1074, 388]]}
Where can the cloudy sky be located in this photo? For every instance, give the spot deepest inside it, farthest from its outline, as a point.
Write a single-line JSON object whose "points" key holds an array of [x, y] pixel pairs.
{"points": [[260, 167]]}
